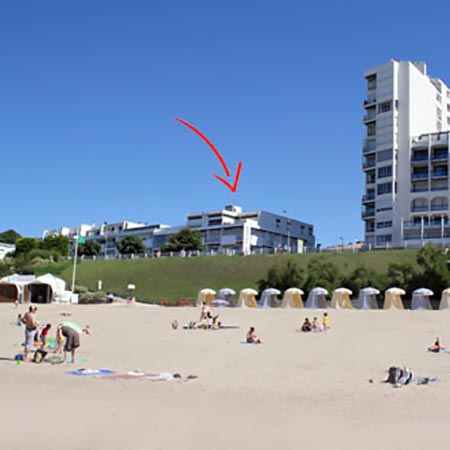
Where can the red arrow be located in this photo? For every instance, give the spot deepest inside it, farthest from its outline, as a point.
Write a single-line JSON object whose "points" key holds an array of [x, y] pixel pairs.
{"points": [[233, 187]]}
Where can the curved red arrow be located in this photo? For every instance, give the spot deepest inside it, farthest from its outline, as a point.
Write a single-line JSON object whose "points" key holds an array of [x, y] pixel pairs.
{"points": [[232, 187]]}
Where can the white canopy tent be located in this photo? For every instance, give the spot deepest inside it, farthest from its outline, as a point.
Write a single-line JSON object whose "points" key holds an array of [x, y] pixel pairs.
{"points": [[445, 299], [269, 298], [292, 298], [205, 296], [421, 299], [46, 289], [316, 298], [341, 299], [13, 287], [247, 298], [367, 298], [393, 298]]}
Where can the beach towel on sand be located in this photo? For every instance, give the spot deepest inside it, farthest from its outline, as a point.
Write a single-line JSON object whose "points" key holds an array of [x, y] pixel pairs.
{"points": [[87, 372]]}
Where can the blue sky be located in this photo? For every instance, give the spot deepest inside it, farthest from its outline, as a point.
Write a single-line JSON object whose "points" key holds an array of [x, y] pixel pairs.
{"points": [[89, 90]]}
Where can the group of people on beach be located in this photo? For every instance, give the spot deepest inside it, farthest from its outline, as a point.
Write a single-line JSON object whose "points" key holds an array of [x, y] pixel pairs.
{"points": [[206, 321], [37, 336], [315, 326]]}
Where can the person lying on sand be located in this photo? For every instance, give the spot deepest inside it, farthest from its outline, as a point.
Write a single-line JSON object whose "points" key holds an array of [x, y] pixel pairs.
{"points": [[252, 338]]}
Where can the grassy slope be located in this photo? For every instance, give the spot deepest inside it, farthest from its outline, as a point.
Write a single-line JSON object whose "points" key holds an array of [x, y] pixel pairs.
{"points": [[174, 278]]}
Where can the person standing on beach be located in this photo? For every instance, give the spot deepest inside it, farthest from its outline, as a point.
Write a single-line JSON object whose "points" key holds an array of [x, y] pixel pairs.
{"points": [[72, 341], [29, 319]]}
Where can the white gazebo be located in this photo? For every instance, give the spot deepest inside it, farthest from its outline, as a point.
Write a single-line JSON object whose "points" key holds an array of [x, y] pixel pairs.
{"points": [[367, 298], [421, 299], [269, 298]]}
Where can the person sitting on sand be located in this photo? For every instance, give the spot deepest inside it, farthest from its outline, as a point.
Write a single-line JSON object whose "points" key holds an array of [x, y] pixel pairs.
{"points": [[315, 326], [204, 312], [252, 338], [436, 348], [87, 329], [306, 327]]}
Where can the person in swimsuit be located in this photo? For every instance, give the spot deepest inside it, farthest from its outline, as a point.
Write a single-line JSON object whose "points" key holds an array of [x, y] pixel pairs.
{"points": [[31, 328], [251, 337], [436, 348]]}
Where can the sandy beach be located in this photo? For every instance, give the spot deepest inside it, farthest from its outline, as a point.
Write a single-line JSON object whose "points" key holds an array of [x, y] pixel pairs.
{"points": [[296, 390]]}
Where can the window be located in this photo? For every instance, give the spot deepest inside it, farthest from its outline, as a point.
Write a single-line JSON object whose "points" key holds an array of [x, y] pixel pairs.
{"points": [[384, 172], [385, 224], [371, 82], [384, 155], [438, 125], [383, 239], [438, 97], [384, 188], [371, 129], [439, 113], [384, 106]]}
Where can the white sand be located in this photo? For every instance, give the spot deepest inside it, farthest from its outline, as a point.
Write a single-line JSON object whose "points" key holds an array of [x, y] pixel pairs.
{"points": [[295, 391]]}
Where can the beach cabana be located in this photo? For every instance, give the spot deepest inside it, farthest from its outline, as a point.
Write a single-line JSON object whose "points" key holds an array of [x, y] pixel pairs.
{"points": [[227, 294], [421, 299], [367, 298], [247, 298], [316, 298], [14, 287], [206, 295], [445, 299], [269, 298], [393, 298], [46, 289], [341, 299], [292, 298]]}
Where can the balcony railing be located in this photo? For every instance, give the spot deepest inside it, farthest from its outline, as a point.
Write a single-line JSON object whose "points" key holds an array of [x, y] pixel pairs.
{"points": [[440, 207], [439, 174], [420, 189], [368, 197], [426, 225], [368, 164], [369, 117], [369, 145], [419, 158], [368, 213], [440, 157], [419, 176], [419, 208], [370, 101]]}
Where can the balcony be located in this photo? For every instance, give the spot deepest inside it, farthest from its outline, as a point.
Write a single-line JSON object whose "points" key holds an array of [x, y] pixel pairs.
{"points": [[419, 189], [369, 164], [419, 176], [439, 174], [420, 142], [368, 197], [369, 212], [439, 207], [419, 208], [369, 145], [419, 158], [369, 118], [370, 101], [439, 157], [439, 139]]}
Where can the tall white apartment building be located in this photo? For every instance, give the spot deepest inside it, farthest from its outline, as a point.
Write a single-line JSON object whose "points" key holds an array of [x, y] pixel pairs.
{"points": [[405, 156]]}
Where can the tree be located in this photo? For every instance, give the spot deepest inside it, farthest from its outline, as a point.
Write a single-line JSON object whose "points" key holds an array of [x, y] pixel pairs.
{"points": [[282, 277], [324, 273], [25, 245], [61, 244], [89, 248], [434, 272], [362, 277], [9, 237], [185, 239], [130, 244], [403, 274]]}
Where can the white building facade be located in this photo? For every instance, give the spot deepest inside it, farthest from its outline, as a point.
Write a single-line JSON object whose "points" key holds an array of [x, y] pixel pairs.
{"points": [[405, 171], [5, 249]]}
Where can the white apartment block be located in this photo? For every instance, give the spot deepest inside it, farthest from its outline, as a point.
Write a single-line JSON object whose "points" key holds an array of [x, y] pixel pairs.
{"points": [[405, 156]]}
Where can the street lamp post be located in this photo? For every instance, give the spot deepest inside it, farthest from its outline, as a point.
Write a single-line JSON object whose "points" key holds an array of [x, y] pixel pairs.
{"points": [[342, 243], [289, 223], [74, 269]]}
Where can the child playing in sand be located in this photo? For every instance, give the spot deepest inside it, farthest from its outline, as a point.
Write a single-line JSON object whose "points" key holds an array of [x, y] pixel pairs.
{"points": [[325, 321], [59, 340], [43, 335], [19, 320]]}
